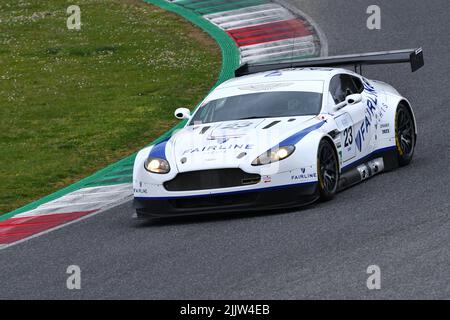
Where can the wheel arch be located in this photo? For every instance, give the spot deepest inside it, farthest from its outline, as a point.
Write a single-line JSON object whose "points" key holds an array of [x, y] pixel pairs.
{"points": [[389, 108], [325, 193], [311, 145], [407, 104], [336, 153]]}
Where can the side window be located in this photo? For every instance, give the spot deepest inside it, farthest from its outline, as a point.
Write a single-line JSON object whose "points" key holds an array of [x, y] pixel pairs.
{"points": [[336, 90], [348, 85], [343, 85], [358, 84]]}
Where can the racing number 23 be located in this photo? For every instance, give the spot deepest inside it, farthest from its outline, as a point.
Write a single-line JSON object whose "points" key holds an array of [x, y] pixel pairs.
{"points": [[348, 136]]}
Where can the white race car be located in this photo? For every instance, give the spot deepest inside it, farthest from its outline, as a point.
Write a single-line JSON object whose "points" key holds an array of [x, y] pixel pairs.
{"points": [[279, 136]]}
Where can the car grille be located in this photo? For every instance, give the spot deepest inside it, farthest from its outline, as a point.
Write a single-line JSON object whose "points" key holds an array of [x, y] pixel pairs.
{"points": [[211, 179]]}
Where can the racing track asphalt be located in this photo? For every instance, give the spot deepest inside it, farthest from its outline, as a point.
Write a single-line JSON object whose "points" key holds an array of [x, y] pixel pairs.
{"points": [[399, 221]]}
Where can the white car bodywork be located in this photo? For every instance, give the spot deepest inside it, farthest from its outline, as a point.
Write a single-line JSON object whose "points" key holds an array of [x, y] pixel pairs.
{"points": [[357, 131]]}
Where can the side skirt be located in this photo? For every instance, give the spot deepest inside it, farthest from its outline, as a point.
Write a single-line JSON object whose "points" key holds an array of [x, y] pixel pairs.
{"points": [[377, 162]]}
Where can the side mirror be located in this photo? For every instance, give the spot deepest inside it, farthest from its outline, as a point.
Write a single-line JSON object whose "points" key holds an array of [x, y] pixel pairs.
{"points": [[182, 113], [349, 100], [353, 98]]}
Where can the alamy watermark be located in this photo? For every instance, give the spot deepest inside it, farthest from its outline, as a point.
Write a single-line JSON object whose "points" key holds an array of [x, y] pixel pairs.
{"points": [[73, 282], [374, 19], [74, 20], [374, 280]]}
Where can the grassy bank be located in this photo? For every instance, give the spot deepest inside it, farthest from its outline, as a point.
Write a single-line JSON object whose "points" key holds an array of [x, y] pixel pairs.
{"points": [[72, 101]]}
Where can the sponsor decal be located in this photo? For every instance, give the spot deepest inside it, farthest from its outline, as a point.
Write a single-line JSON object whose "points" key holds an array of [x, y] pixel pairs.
{"points": [[383, 109], [141, 188], [304, 175], [267, 179], [385, 128], [371, 110], [219, 148]]}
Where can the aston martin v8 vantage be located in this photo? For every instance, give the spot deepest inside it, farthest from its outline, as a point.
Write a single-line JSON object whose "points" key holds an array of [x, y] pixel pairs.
{"points": [[279, 136]]}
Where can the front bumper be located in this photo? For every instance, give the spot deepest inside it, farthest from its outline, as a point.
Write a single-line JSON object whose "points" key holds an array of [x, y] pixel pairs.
{"points": [[288, 196]]}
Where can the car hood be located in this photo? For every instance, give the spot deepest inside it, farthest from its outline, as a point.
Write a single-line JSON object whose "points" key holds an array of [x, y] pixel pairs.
{"points": [[229, 144]]}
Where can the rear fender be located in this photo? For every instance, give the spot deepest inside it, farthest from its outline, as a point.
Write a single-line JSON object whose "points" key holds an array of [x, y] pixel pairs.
{"points": [[388, 117]]}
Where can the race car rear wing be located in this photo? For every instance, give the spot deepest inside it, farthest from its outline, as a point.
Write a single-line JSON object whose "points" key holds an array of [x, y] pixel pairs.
{"points": [[412, 56]]}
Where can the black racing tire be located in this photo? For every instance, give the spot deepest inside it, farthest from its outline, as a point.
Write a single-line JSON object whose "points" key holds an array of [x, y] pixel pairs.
{"points": [[327, 170], [405, 135]]}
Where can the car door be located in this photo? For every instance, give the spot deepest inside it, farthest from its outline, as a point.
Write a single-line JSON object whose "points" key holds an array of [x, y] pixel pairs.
{"points": [[351, 118]]}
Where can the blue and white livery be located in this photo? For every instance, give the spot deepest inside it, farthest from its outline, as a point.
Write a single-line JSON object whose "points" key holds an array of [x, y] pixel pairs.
{"points": [[275, 139]]}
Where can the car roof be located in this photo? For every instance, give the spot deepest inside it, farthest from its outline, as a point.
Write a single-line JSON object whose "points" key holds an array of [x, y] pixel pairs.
{"points": [[295, 74]]}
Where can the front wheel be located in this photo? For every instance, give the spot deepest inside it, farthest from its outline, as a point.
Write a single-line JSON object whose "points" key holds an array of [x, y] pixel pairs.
{"points": [[405, 135], [327, 170]]}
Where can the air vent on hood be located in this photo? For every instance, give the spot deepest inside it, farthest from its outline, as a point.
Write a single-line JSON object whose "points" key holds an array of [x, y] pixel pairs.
{"points": [[270, 125], [204, 129]]}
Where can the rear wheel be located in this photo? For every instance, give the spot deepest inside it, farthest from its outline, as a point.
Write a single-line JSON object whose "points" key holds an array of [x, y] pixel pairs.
{"points": [[327, 170], [405, 135]]}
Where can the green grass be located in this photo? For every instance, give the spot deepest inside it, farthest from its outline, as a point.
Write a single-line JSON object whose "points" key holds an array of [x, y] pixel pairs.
{"points": [[72, 101]]}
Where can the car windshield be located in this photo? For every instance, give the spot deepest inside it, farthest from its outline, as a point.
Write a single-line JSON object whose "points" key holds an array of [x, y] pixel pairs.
{"points": [[259, 105]]}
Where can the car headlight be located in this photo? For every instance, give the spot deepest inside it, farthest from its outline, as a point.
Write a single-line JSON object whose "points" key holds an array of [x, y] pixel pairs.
{"points": [[273, 155], [156, 165]]}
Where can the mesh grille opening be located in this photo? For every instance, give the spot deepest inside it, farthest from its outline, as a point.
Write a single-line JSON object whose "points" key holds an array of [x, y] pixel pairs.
{"points": [[211, 179]]}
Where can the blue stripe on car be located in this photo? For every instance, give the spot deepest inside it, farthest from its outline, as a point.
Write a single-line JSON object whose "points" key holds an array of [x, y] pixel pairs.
{"points": [[159, 150], [295, 138]]}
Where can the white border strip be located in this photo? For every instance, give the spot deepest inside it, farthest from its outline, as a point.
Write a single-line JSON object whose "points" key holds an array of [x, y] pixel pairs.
{"points": [[82, 200], [115, 204]]}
